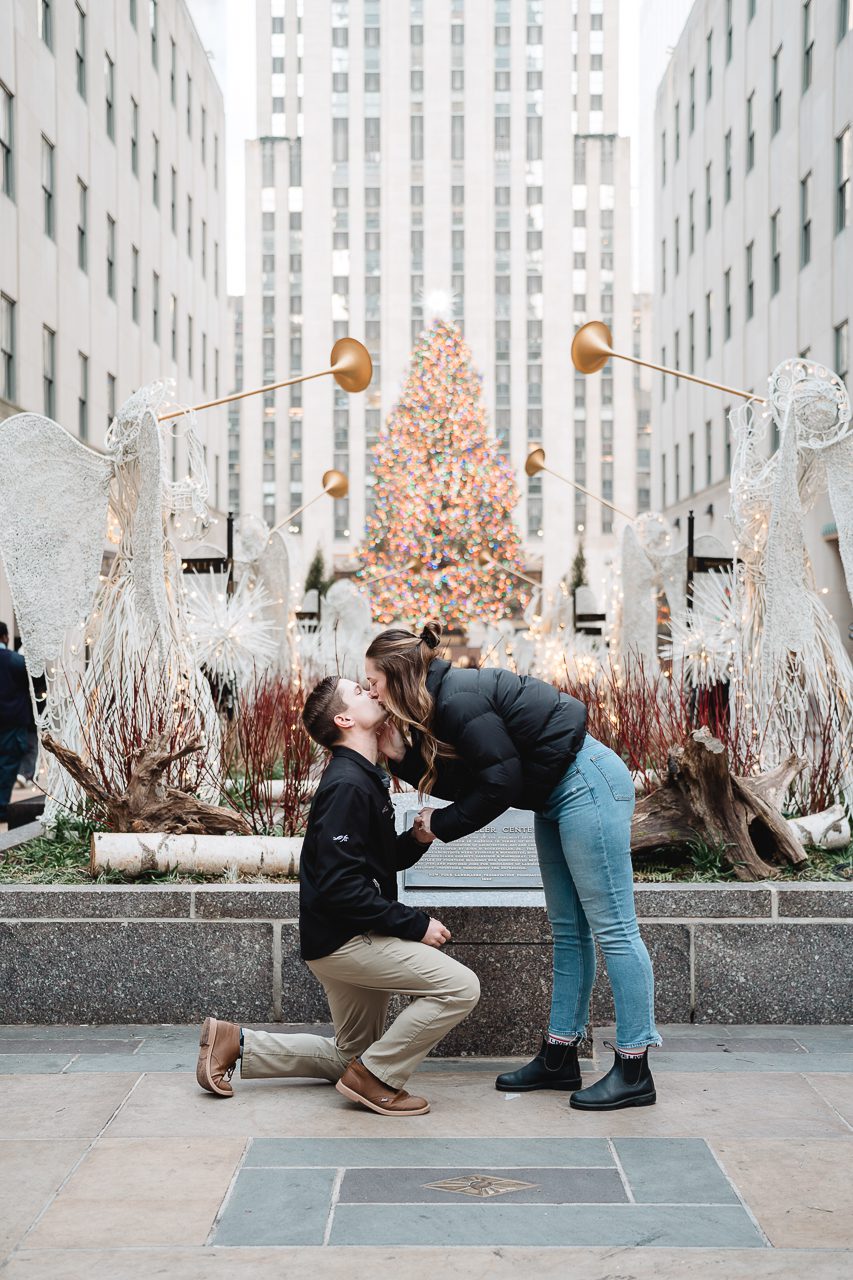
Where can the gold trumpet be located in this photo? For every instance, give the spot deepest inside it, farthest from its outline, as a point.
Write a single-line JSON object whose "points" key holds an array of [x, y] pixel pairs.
{"points": [[351, 368], [591, 349], [536, 463], [335, 484]]}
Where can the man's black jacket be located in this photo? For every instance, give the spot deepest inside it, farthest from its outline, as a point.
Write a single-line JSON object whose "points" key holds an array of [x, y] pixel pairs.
{"points": [[514, 736], [350, 858]]}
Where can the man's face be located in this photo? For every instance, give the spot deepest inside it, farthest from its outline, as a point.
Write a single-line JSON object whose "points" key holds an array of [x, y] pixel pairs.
{"points": [[360, 710]]}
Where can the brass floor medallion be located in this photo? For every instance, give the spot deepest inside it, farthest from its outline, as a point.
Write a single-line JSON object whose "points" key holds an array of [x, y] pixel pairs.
{"points": [[482, 1185]]}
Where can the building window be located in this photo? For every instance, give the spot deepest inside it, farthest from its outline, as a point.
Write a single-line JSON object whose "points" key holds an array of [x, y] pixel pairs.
{"points": [[677, 131], [663, 376], [709, 311], [691, 463], [691, 222], [173, 198], [750, 131], [416, 136], [7, 348], [806, 220], [691, 342], [709, 454], [173, 326], [775, 255], [134, 283], [190, 345], [728, 158], [502, 137], [729, 38], [152, 22], [372, 137], [843, 166], [83, 398], [808, 44], [134, 136], [663, 158], [677, 245], [677, 475], [340, 140], [845, 18], [82, 225], [776, 104], [189, 226], [216, 161], [709, 65], [708, 203], [692, 111], [663, 266], [203, 249], [842, 350], [111, 257], [750, 281], [534, 138], [132, 6], [750, 9], [203, 132], [111, 399], [216, 268], [727, 304], [47, 182], [7, 140], [80, 51], [48, 348], [155, 170], [45, 15], [109, 95], [173, 73], [189, 105], [155, 307]]}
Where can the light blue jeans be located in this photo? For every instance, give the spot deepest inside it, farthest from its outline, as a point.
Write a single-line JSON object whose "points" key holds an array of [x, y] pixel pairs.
{"points": [[583, 838]]}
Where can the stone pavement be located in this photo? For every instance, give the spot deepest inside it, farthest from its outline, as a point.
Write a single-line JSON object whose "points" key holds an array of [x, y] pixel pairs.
{"points": [[116, 1166]]}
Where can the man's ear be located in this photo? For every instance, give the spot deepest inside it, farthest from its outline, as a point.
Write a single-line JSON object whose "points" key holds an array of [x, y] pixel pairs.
{"points": [[343, 720]]}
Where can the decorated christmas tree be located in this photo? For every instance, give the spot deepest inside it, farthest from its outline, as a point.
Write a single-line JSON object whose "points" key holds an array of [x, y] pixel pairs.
{"points": [[442, 526]]}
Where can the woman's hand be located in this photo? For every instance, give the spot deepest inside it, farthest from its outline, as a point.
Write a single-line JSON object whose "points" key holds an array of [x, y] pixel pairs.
{"points": [[390, 741], [422, 826]]}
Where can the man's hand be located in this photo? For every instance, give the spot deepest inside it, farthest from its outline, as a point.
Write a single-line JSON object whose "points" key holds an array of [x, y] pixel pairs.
{"points": [[421, 830], [436, 934], [390, 741]]}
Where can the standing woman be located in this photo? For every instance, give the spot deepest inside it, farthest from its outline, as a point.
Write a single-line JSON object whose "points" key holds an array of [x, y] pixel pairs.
{"points": [[487, 740]]}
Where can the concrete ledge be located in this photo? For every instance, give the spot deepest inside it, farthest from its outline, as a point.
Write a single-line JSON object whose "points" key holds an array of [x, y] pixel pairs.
{"points": [[173, 953]]}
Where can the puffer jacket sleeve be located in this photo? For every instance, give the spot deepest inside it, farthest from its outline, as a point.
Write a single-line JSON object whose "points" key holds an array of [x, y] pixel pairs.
{"points": [[480, 738]]}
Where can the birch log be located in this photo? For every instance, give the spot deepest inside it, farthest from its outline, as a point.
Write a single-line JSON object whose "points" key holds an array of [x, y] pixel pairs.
{"points": [[133, 854]]}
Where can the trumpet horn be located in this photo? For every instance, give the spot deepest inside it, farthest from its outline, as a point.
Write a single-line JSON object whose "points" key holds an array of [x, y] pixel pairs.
{"points": [[350, 366], [335, 484], [536, 463], [592, 347]]}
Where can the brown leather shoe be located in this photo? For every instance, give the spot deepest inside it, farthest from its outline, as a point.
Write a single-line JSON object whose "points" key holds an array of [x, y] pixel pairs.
{"points": [[218, 1052], [360, 1085]]}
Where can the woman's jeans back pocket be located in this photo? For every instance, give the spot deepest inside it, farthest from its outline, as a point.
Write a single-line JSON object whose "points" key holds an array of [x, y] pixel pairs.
{"points": [[615, 773]]}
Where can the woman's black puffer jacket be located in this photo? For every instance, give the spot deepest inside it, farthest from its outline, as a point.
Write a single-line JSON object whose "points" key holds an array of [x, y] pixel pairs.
{"points": [[514, 736]]}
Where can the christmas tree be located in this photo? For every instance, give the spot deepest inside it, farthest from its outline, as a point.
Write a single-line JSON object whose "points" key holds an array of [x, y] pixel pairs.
{"points": [[443, 498]]}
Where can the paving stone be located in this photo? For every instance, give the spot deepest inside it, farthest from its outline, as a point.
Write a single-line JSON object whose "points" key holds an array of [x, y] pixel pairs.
{"points": [[673, 1171], [35, 1064], [60, 902], [60, 1106], [544, 1186], [837, 1091], [32, 1172], [731, 1063], [798, 1191], [138, 1063], [773, 972], [277, 1206], [387, 1153], [669, 950], [833, 900], [82, 971], [102, 1047], [507, 1224], [255, 902], [690, 902], [82, 1031], [734, 1044]]}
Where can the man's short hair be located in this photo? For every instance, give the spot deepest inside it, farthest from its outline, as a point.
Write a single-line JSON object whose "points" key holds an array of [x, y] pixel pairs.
{"points": [[4, 631], [323, 703]]}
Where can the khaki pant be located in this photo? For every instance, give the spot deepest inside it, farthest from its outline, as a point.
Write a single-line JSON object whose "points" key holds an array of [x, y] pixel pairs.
{"points": [[358, 979]]}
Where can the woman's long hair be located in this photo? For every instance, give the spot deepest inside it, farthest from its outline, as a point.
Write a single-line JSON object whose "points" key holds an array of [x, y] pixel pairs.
{"points": [[404, 659]]}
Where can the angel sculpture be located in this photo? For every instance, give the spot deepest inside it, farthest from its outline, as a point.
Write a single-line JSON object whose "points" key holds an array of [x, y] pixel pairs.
{"points": [[794, 673], [652, 563], [241, 635], [345, 631], [79, 625]]}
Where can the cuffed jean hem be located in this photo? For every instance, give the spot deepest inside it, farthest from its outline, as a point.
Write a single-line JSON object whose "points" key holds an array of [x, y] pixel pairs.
{"points": [[654, 1043]]}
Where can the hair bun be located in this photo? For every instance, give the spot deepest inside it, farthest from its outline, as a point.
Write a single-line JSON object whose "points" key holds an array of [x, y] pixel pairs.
{"points": [[431, 635]]}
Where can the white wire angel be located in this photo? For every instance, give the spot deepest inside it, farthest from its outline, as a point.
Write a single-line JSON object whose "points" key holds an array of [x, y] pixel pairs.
{"points": [[58, 500]]}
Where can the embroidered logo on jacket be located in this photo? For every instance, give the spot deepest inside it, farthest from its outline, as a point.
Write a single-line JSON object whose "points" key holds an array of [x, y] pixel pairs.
{"points": [[341, 839]]}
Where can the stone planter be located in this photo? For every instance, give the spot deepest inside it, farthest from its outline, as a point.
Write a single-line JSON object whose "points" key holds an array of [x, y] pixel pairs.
{"points": [[173, 953]]}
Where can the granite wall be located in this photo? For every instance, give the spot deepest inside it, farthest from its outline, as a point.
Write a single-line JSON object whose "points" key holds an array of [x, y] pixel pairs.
{"points": [[721, 953]]}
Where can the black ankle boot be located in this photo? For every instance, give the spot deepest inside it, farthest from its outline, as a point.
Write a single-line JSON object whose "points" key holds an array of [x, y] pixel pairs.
{"points": [[554, 1067], [628, 1083]]}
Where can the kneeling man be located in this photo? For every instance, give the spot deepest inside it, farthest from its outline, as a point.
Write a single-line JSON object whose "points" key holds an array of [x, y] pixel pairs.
{"points": [[355, 936]]}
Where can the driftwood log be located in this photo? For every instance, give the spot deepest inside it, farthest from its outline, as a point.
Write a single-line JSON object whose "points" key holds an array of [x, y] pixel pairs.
{"points": [[148, 803], [702, 800], [134, 854]]}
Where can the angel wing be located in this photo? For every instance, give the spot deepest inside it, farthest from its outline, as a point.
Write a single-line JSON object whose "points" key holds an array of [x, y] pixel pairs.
{"points": [[54, 496]]}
